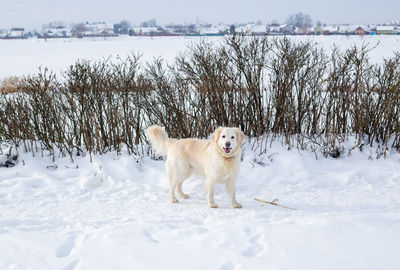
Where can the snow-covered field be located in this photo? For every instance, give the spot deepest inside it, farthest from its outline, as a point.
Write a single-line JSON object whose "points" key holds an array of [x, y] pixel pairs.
{"points": [[22, 57], [114, 213]]}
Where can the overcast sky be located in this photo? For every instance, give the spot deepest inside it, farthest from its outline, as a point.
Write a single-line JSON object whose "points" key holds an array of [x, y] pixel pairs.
{"points": [[34, 13]]}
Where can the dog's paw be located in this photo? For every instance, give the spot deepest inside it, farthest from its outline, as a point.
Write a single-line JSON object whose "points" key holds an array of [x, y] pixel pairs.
{"points": [[213, 205], [173, 200], [185, 196], [236, 205]]}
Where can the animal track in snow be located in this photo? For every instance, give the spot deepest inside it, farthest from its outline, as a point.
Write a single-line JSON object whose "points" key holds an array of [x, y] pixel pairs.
{"points": [[253, 251], [229, 266], [255, 248], [72, 265], [149, 236], [65, 248]]}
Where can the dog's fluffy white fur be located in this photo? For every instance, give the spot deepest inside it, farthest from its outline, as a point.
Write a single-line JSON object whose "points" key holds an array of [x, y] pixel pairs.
{"points": [[217, 160]]}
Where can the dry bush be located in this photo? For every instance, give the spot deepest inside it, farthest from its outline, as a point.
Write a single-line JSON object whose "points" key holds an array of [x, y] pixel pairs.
{"points": [[270, 88], [10, 85]]}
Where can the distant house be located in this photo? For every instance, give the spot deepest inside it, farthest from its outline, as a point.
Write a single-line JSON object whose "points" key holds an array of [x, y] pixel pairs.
{"points": [[318, 30], [55, 32], [210, 31], [144, 31], [343, 29], [174, 30], [16, 33], [361, 30], [330, 30], [223, 27], [355, 29], [13, 33], [385, 30], [325, 30], [273, 29], [3, 33], [279, 29], [259, 30], [286, 29], [373, 28], [252, 29], [98, 29], [246, 28], [303, 31]]}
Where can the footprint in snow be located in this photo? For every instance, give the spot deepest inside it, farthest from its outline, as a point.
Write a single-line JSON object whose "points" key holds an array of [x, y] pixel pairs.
{"points": [[72, 265], [255, 248], [149, 236], [253, 251], [229, 266], [65, 248]]}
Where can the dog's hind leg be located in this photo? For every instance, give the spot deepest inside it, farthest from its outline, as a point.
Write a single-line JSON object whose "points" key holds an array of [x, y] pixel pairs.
{"points": [[179, 190], [172, 187], [177, 172]]}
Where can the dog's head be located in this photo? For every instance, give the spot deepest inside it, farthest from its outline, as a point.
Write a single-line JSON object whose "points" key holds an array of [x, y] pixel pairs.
{"points": [[228, 140]]}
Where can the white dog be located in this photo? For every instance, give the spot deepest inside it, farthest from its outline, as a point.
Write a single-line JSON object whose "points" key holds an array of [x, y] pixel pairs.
{"points": [[217, 160]]}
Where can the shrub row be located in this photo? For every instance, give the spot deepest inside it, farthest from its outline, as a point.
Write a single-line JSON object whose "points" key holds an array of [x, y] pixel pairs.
{"points": [[270, 88]]}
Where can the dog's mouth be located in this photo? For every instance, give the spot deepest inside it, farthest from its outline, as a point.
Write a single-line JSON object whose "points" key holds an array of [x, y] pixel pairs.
{"points": [[227, 150]]}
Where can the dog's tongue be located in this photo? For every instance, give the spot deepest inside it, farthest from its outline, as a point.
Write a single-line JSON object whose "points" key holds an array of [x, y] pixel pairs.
{"points": [[227, 150]]}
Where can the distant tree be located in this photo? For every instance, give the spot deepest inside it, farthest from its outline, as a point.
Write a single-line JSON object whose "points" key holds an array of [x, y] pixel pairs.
{"points": [[149, 23], [232, 29], [192, 28], [300, 20], [116, 28], [152, 23], [78, 29], [319, 23], [124, 27], [54, 24], [274, 22], [144, 24]]}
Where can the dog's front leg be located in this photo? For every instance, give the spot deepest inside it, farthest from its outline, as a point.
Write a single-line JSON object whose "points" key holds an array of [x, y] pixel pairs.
{"points": [[171, 194], [209, 187], [230, 187]]}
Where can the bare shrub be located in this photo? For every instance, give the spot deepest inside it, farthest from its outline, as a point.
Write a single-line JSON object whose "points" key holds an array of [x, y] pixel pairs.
{"points": [[9, 85], [295, 87], [270, 88]]}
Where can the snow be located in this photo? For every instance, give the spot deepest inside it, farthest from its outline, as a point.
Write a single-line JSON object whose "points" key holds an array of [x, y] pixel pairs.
{"points": [[26, 56], [114, 213], [385, 27]]}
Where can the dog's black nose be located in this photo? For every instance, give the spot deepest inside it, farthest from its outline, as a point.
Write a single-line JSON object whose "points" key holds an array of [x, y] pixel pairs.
{"points": [[228, 144]]}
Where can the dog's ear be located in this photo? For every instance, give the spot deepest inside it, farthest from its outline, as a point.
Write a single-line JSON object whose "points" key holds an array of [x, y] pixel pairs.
{"points": [[241, 137], [216, 133]]}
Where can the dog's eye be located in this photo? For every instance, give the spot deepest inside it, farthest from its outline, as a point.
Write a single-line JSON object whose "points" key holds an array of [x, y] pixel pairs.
{"points": [[223, 136], [233, 137]]}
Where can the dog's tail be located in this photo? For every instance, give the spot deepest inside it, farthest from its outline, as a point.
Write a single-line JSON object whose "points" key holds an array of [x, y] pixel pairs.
{"points": [[159, 139]]}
